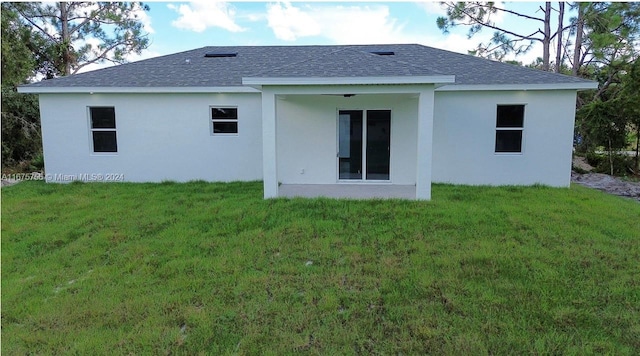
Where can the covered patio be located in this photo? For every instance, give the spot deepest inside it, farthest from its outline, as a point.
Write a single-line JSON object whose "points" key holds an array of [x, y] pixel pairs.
{"points": [[339, 131], [300, 136]]}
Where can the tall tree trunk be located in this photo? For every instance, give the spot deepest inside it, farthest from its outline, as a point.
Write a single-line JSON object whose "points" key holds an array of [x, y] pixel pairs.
{"points": [[578, 44], [547, 36], [559, 37], [66, 37], [610, 156], [637, 148]]}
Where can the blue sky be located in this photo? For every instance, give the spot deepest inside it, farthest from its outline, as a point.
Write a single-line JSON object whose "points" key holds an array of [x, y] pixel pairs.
{"points": [[180, 26]]}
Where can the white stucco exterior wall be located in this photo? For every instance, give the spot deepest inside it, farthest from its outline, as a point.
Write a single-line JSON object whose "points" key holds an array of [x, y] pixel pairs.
{"points": [[168, 137], [464, 138], [160, 137], [307, 135]]}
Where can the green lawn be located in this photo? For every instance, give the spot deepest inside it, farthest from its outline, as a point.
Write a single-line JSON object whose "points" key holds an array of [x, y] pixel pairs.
{"points": [[214, 269]]}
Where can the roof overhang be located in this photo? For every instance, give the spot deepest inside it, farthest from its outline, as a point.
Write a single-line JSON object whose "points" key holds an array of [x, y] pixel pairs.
{"points": [[254, 84], [115, 90], [497, 87], [435, 79]]}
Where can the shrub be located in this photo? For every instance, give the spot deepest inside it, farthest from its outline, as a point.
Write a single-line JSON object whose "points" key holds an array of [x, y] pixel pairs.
{"points": [[622, 164], [37, 163]]}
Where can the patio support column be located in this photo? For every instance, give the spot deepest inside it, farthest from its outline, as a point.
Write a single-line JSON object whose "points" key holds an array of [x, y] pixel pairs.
{"points": [[425, 144], [269, 144]]}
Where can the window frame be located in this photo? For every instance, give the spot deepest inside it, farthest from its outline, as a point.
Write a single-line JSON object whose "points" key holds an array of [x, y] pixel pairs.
{"points": [[213, 121], [520, 128], [99, 129]]}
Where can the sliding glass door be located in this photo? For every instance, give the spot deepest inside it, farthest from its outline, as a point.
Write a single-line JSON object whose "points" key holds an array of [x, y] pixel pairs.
{"points": [[350, 144], [378, 137], [364, 144]]}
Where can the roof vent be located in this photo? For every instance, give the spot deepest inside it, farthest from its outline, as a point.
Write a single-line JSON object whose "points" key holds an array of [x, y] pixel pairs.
{"points": [[220, 54], [383, 53]]}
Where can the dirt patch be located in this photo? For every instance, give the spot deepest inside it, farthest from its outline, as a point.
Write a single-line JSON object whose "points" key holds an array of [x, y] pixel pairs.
{"points": [[581, 163], [8, 182], [608, 184]]}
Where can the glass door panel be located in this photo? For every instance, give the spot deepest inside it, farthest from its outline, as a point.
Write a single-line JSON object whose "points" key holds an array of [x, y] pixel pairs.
{"points": [[378, 144], [350, 131]]}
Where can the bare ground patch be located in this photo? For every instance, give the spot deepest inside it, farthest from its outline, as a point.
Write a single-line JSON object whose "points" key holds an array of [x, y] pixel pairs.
{"points": [[608, 184]]}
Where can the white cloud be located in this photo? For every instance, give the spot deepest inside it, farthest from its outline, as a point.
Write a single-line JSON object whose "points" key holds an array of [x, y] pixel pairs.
{"points": [[340, 24], [138, 13], [146, 54], [433, 8], [452, 42], [499, 16], [289, 23], [437, 9], [255, 17], [144, 18], [199, 15], [461, 44]]}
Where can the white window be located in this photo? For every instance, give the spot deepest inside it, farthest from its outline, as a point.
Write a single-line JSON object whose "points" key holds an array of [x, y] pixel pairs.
{"points": [[509, 127], [103, 129], [224, 121]]}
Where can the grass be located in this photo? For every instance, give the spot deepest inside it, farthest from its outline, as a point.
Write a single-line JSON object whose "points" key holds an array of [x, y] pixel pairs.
{"points": [[214, 269]]}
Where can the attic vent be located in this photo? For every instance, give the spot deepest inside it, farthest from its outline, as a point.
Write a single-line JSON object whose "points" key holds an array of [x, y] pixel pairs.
{"points": [[220, 54], [384, 53]]}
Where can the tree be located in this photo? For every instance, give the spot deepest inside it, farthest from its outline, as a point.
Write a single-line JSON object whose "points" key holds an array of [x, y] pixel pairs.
{"points": [[610, 40], [479, 15], [631, 104], [608, 119], [604, 124], [83, 33], [20, 119], [17, 60], [579, 33], [21, 138], [559, 31], [608, 53]]}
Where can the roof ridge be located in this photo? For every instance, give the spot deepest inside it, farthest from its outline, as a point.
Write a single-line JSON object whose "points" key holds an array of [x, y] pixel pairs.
{"points": [[297, 63], [487, 60], [391, 59]]}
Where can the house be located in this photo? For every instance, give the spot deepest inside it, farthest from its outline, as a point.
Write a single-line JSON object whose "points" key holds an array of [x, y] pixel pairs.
{"points": [[370, 120]]}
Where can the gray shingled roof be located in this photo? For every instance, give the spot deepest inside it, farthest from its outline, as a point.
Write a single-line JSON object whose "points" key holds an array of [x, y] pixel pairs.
{"points": [[305, 61], [347, 62]]}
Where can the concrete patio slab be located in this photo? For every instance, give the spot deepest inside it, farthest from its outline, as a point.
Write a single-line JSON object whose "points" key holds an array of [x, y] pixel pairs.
{"points": [[348, 191]]}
